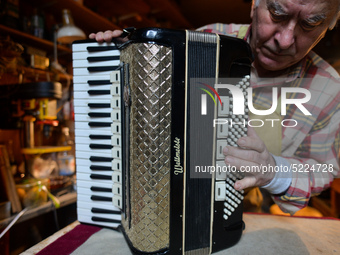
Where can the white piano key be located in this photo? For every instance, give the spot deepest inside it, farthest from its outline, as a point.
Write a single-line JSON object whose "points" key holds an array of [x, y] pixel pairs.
{"points": [[76, 47], [86, 147], [85, 54], [88, 153], [87, 170], [87, 140], [85, 94], [115, 140], [87, 87], [115, 152], [85, 79], [88, 184], [87, 118], [84, 71], [86, 162], [86, 177], [87, 212], [85, 204], [86, 110], [88, 219], [82, 102], [85, 63], [85, 125], [86, 132], [116, 214], [88, 191]]}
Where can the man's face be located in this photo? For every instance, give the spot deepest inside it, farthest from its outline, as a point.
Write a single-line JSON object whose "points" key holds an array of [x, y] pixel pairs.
{"points": [[284, 31]]}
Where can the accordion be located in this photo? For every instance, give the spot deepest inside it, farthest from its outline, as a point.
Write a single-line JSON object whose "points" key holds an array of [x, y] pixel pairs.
{"points": [[149, 156]]}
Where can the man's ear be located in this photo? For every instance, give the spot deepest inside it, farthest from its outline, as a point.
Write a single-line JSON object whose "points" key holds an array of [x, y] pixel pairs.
{"points": [[252, 9]]}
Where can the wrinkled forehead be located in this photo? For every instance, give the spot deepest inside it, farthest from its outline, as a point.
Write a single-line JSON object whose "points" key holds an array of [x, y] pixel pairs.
{"points": [[306, 7]]}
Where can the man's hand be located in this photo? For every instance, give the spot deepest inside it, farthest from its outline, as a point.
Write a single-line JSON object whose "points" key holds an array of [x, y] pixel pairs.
{"points": [[253, 153], [106, 36]]}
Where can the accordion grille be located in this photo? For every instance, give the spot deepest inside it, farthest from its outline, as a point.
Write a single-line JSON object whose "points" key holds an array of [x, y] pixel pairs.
{"points": [[148, 212]]}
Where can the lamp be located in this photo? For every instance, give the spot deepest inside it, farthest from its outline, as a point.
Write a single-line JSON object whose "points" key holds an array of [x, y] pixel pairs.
{"points": [[69, 32]]}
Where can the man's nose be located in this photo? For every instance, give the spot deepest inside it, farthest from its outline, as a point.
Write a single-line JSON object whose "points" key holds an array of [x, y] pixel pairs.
{"points": [[286, 37]]}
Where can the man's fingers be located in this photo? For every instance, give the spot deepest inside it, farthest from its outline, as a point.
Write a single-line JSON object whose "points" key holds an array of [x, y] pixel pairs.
{"points": [[105, 36], [241, 154], [98, 36], [246, 182], [251, 141]]}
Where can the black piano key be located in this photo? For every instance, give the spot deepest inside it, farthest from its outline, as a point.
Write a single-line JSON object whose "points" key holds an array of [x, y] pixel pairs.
{"points": [[102, 137], [98, 92], [100, 210], [99, 124], [101, 48], [100, 159], [99, 82], [103, 58], [101, 189], [98, 105], [99, 114], [99, 219], [101, 198], [100, 177], [101, 146], [100, 168], [102, 68]]}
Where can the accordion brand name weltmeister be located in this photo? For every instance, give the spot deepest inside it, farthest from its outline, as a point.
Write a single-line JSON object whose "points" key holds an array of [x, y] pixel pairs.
{"points": [[148, 135]]}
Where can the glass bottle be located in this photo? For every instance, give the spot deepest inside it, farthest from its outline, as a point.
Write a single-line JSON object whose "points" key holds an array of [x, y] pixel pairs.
{"points": [[66, 160], [69, 32]]}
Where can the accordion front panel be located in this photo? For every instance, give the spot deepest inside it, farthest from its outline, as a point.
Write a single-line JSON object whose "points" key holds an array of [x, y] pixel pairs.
{"points": [[147, 81]]}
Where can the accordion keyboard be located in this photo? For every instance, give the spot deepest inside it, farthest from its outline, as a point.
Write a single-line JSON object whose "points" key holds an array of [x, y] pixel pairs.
{"points": [[97, 132]]}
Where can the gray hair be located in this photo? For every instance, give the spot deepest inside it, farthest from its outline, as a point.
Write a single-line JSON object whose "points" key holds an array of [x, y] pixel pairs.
{"points": [[333, 22]]}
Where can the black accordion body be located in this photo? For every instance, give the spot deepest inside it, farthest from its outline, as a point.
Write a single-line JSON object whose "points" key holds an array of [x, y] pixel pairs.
{"points": [[145, 138]]}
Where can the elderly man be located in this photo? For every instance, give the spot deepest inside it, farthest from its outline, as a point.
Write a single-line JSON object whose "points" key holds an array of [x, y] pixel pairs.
{"points": [[281, 36]]}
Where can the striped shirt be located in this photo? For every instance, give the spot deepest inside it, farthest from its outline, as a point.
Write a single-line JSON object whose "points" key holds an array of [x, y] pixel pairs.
{"points": [[312, 146]]}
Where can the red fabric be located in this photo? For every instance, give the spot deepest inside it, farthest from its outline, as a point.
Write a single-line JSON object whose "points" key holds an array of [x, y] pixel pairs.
{"points": [[67, 243]]}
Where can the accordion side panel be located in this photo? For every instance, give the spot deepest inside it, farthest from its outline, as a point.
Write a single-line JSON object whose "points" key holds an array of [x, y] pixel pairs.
{"points": [[148, 185]]}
